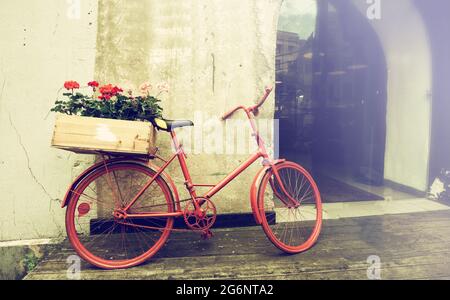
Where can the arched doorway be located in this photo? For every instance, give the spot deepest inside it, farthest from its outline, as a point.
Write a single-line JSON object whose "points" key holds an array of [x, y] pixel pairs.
{"points": [[331, 96]]}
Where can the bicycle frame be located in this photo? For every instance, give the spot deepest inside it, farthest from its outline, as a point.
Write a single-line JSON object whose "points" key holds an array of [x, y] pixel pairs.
{"points": [[214, 188], [190, 185]]}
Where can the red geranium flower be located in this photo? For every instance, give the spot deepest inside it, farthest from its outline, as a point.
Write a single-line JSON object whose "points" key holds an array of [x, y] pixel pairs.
{"points": [[106, 89], [104, 97], [93, 84], [71, 85], [109, 91], [116, 90]]}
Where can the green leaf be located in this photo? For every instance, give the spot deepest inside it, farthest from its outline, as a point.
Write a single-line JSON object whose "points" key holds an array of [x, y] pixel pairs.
{"points": [[120, 107]]}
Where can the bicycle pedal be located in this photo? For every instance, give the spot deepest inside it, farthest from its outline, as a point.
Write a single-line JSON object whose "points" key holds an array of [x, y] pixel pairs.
{"points": [[206, 235]]}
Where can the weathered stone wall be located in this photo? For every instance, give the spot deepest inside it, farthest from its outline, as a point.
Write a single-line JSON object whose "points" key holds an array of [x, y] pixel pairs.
{"points": [[43, 43], [214, 55]]}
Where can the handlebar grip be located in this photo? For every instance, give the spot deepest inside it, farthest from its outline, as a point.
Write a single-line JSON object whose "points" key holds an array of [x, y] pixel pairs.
{"points": [[269, 89], [254, 108], [263, 99]]}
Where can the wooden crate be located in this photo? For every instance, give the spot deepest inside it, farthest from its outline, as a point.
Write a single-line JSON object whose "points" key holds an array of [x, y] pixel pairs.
{"points": [[95, 135]]}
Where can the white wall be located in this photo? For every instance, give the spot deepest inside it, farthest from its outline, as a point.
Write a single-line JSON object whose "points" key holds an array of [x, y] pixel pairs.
{"points": [[404, 39], [41, 46]]}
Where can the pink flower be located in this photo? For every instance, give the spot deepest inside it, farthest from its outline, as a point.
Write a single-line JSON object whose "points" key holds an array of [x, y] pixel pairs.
{"points": [[163, 87], [145, 89]]}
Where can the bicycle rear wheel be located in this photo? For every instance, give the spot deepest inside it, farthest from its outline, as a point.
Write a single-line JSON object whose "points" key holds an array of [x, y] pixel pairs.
{"points": [[291, 229], [105, 240]]}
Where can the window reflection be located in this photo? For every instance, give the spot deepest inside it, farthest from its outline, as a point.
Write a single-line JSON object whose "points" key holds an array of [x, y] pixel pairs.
{"points": [[331, 100]]}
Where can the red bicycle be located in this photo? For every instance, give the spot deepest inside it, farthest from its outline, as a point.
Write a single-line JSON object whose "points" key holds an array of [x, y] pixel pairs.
{"points": [[121, 210]]}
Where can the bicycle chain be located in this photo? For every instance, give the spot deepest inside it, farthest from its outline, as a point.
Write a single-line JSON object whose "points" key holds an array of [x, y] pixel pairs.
{"points": [[159, 228]]}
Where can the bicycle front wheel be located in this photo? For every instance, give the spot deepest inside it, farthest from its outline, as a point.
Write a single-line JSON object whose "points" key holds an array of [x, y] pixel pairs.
{"points": [[291, 228], [102, 238]]}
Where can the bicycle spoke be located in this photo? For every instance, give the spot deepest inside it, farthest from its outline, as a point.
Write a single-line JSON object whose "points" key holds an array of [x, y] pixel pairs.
{"points": [[293, 228], [109, 241]]}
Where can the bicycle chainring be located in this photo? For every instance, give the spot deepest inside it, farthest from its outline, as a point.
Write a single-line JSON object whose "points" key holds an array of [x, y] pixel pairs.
{"points": [[203, 219]]}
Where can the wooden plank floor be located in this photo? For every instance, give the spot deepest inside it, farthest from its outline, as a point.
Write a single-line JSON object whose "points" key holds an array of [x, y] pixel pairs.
{"points": [[410, 246]]}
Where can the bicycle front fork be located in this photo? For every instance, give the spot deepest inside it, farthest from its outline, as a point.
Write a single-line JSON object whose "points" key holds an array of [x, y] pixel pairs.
{"points": [[290, 202]]}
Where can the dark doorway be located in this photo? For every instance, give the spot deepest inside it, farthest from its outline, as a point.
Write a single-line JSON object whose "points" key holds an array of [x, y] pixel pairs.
{"points": [[331, 99]]}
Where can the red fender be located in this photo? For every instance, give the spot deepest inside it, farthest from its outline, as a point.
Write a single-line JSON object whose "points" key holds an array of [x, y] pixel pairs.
{"points": [[255, 188]]}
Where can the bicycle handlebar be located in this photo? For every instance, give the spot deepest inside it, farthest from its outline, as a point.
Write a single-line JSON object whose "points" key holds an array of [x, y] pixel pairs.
{"points": [[263, 99], [254, 108], [231, 112]]}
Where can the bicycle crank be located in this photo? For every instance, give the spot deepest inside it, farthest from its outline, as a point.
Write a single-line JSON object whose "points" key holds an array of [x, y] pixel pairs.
{"points": [[200, 215]]}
